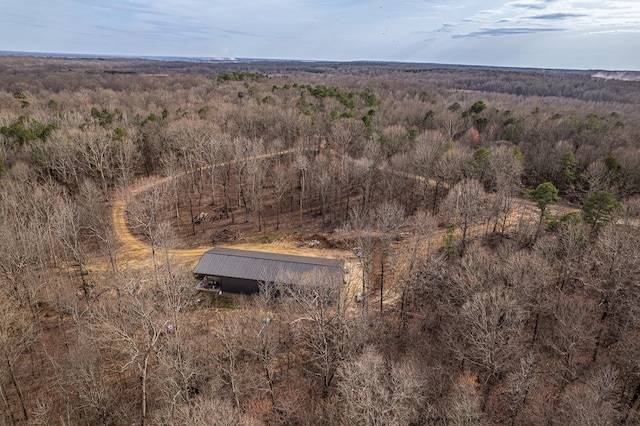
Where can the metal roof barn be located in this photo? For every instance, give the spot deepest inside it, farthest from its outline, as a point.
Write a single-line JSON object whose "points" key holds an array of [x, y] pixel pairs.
{"points": [[240, 271]]}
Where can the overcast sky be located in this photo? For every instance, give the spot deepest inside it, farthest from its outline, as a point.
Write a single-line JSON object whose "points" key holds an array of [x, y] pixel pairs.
{"points": [[587, 34]]}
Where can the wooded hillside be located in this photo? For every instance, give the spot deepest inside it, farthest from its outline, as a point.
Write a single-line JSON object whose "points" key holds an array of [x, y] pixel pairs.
{"points": [[489, 219]]}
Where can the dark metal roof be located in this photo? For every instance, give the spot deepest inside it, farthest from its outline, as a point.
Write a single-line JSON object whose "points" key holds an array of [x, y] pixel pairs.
{"points": [[267, 267]]}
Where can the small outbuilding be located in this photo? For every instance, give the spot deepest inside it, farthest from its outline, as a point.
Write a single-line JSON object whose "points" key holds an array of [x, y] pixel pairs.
{"points": [[242, 271]]}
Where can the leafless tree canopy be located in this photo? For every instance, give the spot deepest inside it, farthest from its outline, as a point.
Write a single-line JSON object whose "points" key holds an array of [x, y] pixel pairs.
{"points": [[465, 301]]}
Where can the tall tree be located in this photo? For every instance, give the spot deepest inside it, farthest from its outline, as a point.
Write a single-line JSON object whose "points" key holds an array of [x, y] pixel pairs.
{"points": [[463, 206], [133, 334], [600, 209], [390, 217], [302, 163], [318, 310], [544, 194], [17, 336], [504, 169], [143, 214]]}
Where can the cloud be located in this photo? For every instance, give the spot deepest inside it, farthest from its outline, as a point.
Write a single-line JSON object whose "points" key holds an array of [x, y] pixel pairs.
{"points": [[516, 32], [446, 28], [530, 6], [617, 31], [495, 32], [558, 16], [543, 4], [543, 16]]}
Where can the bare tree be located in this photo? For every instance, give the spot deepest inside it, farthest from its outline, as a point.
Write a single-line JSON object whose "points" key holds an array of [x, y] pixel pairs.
{"points": [[424, 227], [17, 336], [318, 310], [346, 137], [134, 334], [611, 277], [449, 170], [127, 157], [263, 341], [451, 122], [597, 178], [61, 156], [230, 335], [463, 405], [375, 391], [27, 240], [143, 215], [96, 150], [209, 409], [302, 163], [256, 174], [69, 233], [225, 173], [504, 170], [429, 147], [172, 170], [592, 403], [322, 179], [361, 237], [530, 276], [491, 321], [210, 144], [240, 155], [520, 382], [92, 219], [572, 333], [184, 363], [464, 206], [281, 181], [82, 376], [390, 217], [18, 258]]}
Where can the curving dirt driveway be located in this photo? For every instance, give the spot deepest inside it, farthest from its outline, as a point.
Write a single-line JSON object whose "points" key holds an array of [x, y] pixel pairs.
{"points": [[134, 252]]}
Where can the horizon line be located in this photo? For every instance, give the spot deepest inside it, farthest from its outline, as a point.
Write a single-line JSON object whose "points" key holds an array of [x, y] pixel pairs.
{"points": [[213, 59]]}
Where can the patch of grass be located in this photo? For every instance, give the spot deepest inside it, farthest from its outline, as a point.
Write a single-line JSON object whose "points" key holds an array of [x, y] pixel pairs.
{"points": [[219, 301], [267, 238]]}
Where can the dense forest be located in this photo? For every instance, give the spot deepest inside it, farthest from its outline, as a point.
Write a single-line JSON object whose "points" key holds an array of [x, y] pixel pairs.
{"points": [[489, 218]]}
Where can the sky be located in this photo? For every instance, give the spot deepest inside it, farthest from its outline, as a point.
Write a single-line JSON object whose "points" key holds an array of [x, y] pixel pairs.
{"points": [[585, 34]]}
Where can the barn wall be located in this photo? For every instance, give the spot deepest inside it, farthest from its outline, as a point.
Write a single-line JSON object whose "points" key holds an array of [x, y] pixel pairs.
{"points": [[239, 285]]}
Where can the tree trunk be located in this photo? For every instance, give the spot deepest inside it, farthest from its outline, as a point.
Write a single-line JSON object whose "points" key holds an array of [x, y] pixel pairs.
{"points": [[631, 404], [465, 226], [346, 211], [535, 330], [155, 262], [269, 377], [213, 185], [435, 198], [301, 195], [599, 334], [8, 413], [382, 276], [193, 225], [144, 388], [12, 380], [535, 238]]}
